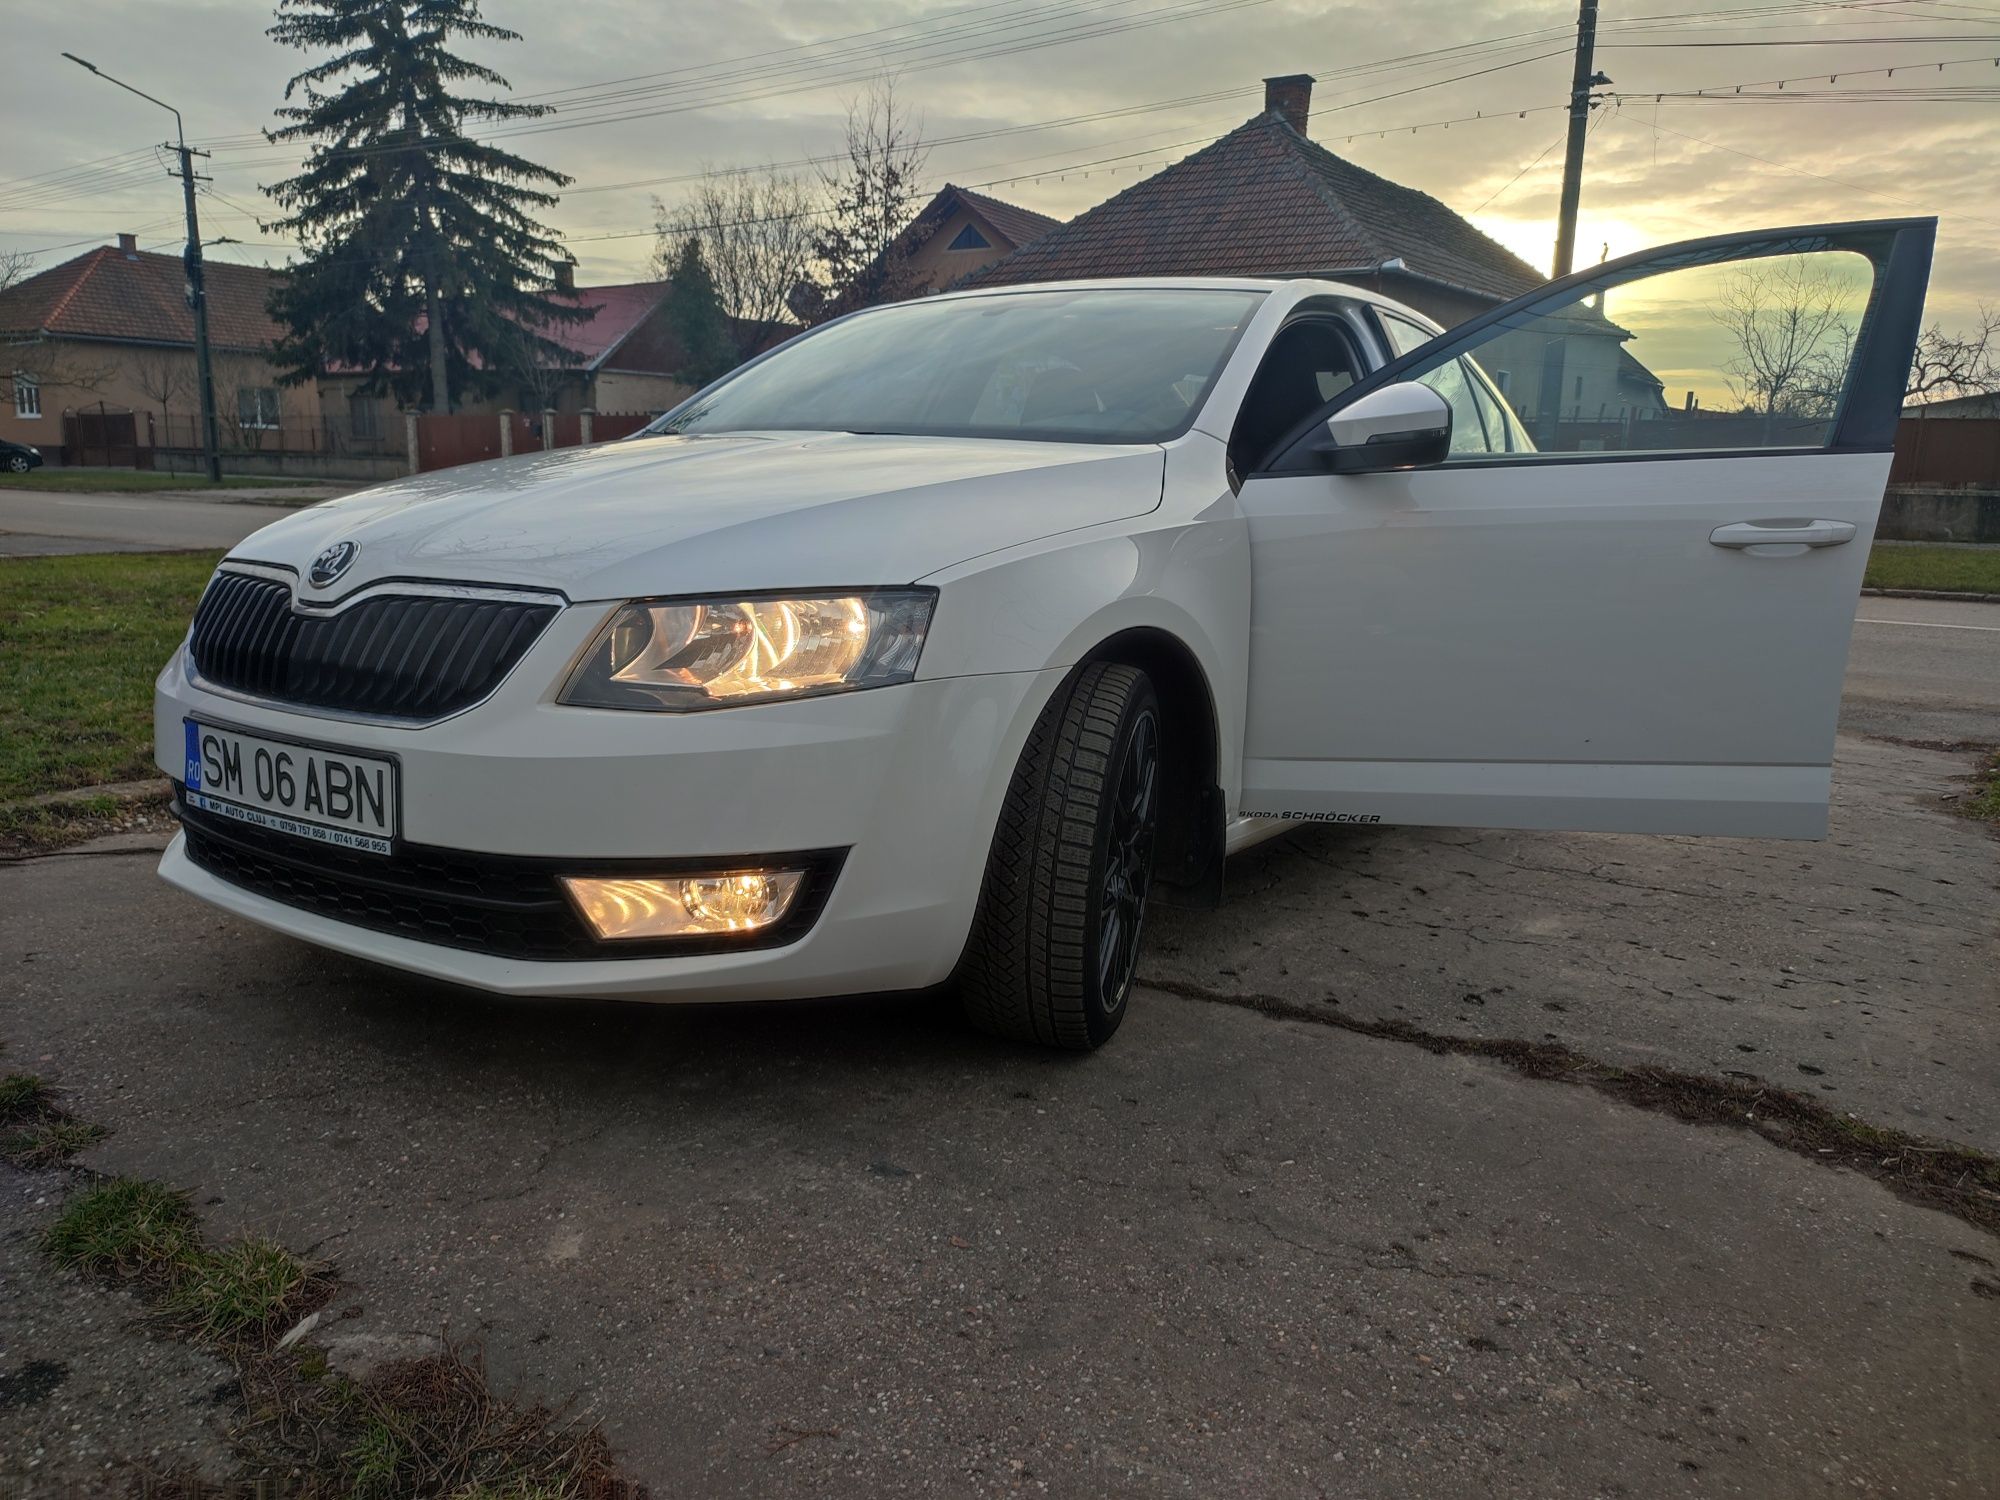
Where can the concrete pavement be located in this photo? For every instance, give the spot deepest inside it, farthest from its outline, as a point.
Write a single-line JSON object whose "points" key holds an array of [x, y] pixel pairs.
{"points": [[1227, 1255]]}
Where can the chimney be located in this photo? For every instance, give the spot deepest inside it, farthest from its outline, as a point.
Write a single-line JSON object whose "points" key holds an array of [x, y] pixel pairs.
{"points": [[1290, 98], [129, 243], [566, 276]]}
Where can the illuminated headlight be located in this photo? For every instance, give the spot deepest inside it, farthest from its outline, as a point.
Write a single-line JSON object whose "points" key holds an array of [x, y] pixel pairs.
{"points": [[682, 654], [685, 906]]}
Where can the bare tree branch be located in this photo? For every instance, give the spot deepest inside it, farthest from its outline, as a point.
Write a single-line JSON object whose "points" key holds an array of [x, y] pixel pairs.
{"points": [[756, 235], [1957, 364], [871, 198], [1790, 321]]}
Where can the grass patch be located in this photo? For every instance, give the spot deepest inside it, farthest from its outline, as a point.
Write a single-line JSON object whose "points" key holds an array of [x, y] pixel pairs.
{"points": [[40, 828], [1985, 803], [35, 1132], [136, 481], [81, 640], [415, 1429], [1955, 570], [128, 1228], [50, 1142], [21, 1093]]}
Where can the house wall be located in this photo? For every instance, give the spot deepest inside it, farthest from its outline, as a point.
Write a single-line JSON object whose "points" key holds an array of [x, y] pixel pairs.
{"points": [[78, 374], [940, 267], [632, 390]]}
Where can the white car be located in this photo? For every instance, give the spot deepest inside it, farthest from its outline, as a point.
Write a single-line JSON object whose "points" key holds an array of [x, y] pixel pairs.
{"points": [[931, 644]]}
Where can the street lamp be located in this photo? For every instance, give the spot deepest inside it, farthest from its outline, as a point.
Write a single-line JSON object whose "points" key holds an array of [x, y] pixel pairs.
{"points": [[197, 288]]}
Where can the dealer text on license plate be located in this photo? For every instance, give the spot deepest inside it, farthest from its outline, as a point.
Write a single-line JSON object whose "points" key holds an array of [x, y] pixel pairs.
{"points": [[332, 796]]}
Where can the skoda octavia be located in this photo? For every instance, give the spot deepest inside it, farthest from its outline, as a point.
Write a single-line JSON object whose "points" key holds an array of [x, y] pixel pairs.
{"points": [[937, 642]]}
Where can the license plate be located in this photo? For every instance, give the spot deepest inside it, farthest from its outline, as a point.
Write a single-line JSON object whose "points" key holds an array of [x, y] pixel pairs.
{"points": [[309, 791]]}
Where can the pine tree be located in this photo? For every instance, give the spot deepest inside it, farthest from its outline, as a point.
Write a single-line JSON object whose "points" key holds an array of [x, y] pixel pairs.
{"points": [[694, 313], [424, 266]]}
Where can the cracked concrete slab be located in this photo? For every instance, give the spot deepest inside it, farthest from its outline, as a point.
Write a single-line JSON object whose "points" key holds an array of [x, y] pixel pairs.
{"points": [[849, 1248], [1865, 969]]}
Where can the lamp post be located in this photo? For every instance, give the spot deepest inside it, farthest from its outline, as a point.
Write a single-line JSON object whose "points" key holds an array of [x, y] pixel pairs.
{"points": [[197, 289]]}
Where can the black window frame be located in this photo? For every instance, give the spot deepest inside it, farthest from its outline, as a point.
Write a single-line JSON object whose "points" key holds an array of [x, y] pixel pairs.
{"points": [[1337, 311]]}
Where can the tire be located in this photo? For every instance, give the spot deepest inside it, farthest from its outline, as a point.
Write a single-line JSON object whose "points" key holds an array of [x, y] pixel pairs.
{"points": [[18, 463], [1055, 940]]}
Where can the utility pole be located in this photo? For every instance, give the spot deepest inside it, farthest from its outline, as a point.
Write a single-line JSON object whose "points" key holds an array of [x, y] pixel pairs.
{"points": [[197, 287], [1582, 81]]}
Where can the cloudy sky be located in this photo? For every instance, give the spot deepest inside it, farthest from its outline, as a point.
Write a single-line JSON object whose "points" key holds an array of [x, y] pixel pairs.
{"points": [[1057, 106]]}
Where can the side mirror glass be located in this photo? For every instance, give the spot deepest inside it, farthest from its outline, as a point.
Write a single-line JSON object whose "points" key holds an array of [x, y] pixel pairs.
{"points": [[1404, 426]]}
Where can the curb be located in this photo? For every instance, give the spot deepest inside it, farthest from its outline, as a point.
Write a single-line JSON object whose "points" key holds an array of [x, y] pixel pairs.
{"points": [[1945, 594], [123, 791]]}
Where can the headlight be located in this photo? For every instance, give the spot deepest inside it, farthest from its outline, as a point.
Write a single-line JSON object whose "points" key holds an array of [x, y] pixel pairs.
{"points": [[683, 654]]}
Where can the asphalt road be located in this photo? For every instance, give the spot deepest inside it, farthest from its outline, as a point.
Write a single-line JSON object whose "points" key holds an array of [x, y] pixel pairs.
{"points": [[40, 522], [1926, 669]]}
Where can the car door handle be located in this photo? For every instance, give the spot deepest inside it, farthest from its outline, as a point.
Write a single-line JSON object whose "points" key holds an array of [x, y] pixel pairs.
{"points": [[1783, 534]]}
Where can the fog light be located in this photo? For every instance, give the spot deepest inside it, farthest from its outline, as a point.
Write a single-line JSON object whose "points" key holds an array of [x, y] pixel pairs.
{"points": [[685, 905]]}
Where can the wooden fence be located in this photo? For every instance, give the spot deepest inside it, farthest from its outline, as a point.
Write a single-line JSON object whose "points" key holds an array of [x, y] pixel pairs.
{"points": [[445, 440], [1947, 453]]}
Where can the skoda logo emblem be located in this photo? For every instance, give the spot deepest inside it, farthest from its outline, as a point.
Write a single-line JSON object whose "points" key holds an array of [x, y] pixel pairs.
{"points": [[333, 562]]}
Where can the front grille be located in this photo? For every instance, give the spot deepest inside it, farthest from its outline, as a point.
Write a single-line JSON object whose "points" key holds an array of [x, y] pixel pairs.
{"points": [[393, 656], [509, 906]]}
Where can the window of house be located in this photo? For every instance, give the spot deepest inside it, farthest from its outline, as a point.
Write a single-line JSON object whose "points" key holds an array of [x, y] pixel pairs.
{"points": [[969, 238], [362, 419], [27, 395], [257, 406]]}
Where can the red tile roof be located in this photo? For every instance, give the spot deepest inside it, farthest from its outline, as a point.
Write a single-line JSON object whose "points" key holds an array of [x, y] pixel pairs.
{"points": [[620, 308], [1264, 200], [1021, 226], [140, 297]]}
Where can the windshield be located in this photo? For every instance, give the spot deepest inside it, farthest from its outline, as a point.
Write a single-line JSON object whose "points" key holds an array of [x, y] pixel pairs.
{"points": [[1113, 365]]}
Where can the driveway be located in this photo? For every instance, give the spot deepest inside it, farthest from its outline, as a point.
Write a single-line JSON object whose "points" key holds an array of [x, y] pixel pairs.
{"points": [[850, 1249]]}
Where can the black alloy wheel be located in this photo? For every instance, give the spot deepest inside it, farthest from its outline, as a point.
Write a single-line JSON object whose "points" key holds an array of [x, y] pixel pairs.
{"points": [[1055, 942]]}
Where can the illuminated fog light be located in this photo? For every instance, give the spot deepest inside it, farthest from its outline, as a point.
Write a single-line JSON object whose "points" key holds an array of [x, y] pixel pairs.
{"points": [[685, 905]]}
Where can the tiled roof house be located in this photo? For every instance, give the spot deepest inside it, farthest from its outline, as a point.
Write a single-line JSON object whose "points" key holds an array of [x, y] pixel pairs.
{"points": [[110, 332], [957, 233], [1266, 200]]}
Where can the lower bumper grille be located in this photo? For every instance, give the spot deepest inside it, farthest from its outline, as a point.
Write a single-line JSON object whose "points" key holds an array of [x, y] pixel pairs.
{"points": [[504, 905]]}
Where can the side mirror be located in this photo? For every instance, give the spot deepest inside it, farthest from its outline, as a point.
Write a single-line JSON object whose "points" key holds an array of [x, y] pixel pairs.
{"points": [[1404, 426]]}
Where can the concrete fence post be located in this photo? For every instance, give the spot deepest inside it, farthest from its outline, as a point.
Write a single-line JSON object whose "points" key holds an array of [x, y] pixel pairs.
{"points": [[548, 428], [507, 432], [410, 441], [583, 424]]}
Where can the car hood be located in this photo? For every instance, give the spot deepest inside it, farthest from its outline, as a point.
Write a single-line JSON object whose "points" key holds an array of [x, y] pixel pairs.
{"points": [[708, 514]]}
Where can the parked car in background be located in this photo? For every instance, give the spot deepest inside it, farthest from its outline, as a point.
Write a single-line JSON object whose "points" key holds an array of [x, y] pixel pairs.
{"points": [[937, 642], [19, 458]]}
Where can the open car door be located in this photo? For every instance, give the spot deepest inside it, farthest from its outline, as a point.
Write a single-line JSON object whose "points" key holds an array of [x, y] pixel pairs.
{"points": [[1618, 595]]}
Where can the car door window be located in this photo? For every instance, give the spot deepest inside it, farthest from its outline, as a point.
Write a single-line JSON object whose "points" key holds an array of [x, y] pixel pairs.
{"points": [[1714, 357], [1309, 363], [1477, 426]]}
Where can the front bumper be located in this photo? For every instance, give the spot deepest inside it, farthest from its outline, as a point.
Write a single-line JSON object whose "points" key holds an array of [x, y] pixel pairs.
{"points": [[906, 780]]}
